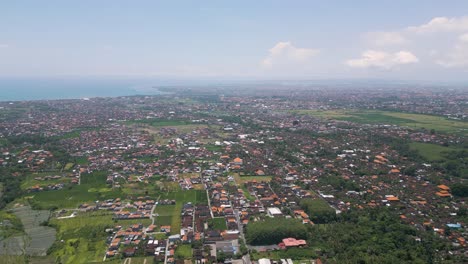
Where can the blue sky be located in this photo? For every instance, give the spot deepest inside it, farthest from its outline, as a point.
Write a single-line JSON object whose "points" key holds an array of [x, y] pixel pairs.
{"points": [[414, 40]]}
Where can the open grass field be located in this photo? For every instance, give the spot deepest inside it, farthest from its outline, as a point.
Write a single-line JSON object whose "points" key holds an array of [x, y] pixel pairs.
{"points": [[180, 129], [431, 152], [219, 223], [214, 148], [183, 252], [93, 187], [71, 198], [415, 121], [3, 142], [68, 166], [13, 259], [170, 214], [170, 186], [136, 260], [242, 179], [140, 188], [84, 236], [304, 253], [29, 180], [247, 193], [81, 160]]}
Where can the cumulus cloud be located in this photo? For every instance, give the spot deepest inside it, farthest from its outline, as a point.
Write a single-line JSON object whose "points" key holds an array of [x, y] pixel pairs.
{"points": [[383, 38], [381, 59], [442, 24], [286, 53]]}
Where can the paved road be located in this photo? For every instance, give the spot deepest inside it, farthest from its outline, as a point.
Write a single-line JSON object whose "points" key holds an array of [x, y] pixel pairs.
{"points": [[152, 211]]}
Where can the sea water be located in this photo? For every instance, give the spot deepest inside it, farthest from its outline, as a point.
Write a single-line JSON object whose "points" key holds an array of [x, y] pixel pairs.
{"points": [[16, 89]]}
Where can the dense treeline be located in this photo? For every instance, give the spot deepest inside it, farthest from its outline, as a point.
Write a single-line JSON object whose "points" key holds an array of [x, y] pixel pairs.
{"points": [[374, 236], [318, 210], [357, 236], [273, 230], [460, 189], [10, 187]]}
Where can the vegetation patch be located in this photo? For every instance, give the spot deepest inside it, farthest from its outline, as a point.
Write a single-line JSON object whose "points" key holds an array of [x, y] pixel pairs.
{"points": [[37, 239], [10, 225], [93, 187], [431, 152], [415, 121], [171, 214], [319, 211], [160, 122], [274, 230], [243, 179], [218, 223], [183, 252]]}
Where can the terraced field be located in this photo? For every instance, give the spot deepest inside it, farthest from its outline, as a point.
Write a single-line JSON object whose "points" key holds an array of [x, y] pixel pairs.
{"points": [[37, 239]]}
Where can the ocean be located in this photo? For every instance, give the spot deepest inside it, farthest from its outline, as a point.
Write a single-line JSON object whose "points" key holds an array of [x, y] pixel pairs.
{"points": [[73, 88]]}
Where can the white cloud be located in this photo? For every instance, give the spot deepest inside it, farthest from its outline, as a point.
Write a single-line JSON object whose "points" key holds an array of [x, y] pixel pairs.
{"points": [[458, 55], [442, 24], [383, 38], [381, 59], [463, 38], [3, 46], [286, 53]]}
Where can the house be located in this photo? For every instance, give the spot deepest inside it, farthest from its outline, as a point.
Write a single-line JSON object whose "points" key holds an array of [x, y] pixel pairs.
{"points": [[274, 212], [238, 161], [129, 252], [292, 242], [264, 261]]}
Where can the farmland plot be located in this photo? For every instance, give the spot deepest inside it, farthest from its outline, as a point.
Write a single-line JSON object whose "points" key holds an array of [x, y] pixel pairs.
{"points": [[41, 238]]}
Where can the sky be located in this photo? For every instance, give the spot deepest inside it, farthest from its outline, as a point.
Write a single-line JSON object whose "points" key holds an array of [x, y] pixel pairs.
{"points": [[398, 39]]}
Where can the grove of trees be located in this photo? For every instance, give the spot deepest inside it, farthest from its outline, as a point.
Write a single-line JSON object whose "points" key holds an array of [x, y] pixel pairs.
{"points": [[273, 230]]}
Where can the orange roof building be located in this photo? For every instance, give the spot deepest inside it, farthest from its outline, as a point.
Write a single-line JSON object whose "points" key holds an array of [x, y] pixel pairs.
{"points": [[292, 242], [443, 187]]}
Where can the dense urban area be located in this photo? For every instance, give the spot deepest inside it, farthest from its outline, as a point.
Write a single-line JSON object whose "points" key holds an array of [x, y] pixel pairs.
{"points": [[231, 174]]}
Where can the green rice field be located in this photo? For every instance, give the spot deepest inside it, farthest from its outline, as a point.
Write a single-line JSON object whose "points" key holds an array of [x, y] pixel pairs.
{"points": [[414, 121]]}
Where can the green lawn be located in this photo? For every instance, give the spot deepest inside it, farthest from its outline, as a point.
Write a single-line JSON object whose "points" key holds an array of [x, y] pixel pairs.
{"points": [[183, 252], [68, 166], [219, 223], [247, 193], [171, 214], [214, 148], [29, 180], [431, 152], [3, 142], [84, 236], [242, 179], [93, 187], [81, 160]]}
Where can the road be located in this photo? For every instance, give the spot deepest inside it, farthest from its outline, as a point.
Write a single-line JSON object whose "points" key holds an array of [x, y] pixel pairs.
{"points": [[152, 211]]}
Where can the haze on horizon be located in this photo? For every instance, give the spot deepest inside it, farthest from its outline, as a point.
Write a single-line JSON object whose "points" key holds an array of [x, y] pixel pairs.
{"points": [[393, 40]]}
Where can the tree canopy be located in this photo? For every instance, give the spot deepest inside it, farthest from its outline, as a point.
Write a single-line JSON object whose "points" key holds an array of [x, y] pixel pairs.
{"points": [[273, 230]]}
